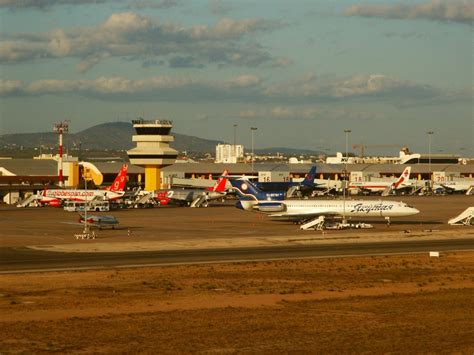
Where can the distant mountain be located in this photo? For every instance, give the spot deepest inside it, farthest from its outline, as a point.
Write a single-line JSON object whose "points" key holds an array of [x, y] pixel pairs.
{"points": [[116, 136], [106, 136]]}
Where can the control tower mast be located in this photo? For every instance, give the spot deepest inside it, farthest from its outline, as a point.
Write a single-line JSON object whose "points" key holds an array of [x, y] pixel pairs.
{"points": [[152, 151]]}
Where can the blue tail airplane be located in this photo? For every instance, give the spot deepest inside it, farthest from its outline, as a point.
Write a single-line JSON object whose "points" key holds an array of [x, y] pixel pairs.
{"points": [[303, 188], [250, 195], [253, 199]]}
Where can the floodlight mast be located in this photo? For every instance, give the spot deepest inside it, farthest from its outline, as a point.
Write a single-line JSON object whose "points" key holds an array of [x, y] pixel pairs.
{"points": [[60, 128]]}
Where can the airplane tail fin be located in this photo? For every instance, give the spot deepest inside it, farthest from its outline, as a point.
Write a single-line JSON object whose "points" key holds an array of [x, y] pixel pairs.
{"points": [[404, 177], [247, 191], [309, 178], [120, 180], [220, 184]]}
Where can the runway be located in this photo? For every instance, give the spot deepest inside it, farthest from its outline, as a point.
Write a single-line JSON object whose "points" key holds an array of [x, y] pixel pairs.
{"points": [[21, 259]]}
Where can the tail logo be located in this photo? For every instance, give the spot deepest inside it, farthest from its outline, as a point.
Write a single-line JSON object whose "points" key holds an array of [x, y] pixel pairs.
{"points": [[244, 186]]}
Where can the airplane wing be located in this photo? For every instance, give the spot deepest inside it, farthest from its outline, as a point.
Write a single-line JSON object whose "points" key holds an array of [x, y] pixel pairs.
{"points": [[448, 188], [298, 216]]}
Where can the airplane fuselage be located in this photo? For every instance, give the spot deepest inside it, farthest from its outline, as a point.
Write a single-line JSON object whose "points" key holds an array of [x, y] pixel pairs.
{"points": [[295, 209], [189, 195], [79, 195], [457, 186]]}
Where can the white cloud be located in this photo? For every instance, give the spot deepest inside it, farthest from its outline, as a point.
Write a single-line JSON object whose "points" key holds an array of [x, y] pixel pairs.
{"points": [[10, 87], [307, 113], [461, 11], [137, 37], [310, 86], [244, 80], [247, 88], [47, 4]]}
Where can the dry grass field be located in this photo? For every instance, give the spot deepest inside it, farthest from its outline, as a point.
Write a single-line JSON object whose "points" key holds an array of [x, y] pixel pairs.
{"points": [[385, 304]]}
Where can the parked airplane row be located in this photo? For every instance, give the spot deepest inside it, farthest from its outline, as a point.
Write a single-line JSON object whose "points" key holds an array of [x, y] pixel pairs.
{"points": [[278, 205], [195, 197], [56, 197], [116, 191]]}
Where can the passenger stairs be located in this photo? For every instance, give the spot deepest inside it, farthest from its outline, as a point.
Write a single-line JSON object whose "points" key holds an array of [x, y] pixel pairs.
{"points": [[417, 190], [200, 201], [292, 191], [316, 223], [147, 199], [465, 218], [387, 191], [27, 201]]}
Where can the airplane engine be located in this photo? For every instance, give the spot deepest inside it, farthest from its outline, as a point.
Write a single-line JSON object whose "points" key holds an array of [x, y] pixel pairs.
{"points": [[163, 198], [54, 204], [163, 201], [271, 207]]}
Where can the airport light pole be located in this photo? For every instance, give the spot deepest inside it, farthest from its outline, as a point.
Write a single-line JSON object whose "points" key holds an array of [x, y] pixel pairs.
{"points": [[235, 142], [430, 134], [253, 129], [86, 176], [344, 220]]}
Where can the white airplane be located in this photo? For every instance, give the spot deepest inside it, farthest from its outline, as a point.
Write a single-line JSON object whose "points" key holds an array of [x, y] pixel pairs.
{"points": [[99, 221], [194, 197], [381, 186], [253, 199], [115, 191], [455, 186]]}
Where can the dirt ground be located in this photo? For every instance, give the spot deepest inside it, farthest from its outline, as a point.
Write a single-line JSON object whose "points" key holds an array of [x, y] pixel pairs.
{"points": [[393, 304]]}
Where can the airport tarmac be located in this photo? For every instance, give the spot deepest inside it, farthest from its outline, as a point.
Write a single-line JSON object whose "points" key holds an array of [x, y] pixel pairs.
{"points": [[171, 228]]}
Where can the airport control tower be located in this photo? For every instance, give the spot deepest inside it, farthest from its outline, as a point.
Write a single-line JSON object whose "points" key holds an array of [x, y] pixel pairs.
{"points": [[152, 151]]}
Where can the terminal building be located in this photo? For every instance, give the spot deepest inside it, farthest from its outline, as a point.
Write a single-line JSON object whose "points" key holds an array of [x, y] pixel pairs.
{"points": [[405, 157]]}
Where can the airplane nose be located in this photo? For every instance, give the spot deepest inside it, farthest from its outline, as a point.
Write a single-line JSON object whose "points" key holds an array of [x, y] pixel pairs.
{"points": [[415, 211]]}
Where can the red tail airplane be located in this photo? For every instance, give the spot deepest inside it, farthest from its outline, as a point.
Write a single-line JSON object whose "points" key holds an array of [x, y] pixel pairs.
{"points": [[194, 197], [113, 192]]}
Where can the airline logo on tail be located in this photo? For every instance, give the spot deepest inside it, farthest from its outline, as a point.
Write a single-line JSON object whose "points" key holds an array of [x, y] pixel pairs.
{"points": [[220, 183], [403, 178], [248, 191], [120, 180], [309, 179]]}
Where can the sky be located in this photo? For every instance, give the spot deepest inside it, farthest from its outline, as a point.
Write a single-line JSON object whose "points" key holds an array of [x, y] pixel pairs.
{"points": [[301, 72]]}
